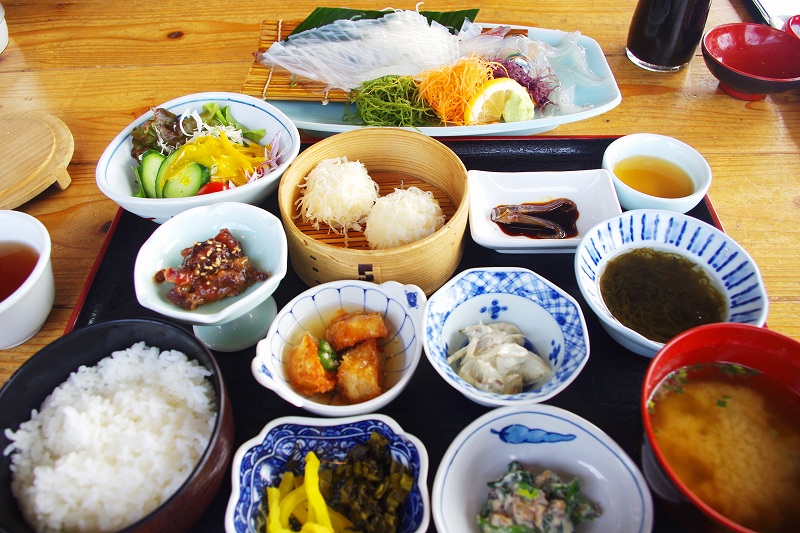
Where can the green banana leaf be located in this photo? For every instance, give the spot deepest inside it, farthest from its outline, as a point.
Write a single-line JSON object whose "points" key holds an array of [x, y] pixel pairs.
{"points": [[321, 16]]}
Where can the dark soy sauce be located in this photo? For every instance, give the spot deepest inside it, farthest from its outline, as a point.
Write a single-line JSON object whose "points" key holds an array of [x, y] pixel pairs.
{"points": [[664, 34]]}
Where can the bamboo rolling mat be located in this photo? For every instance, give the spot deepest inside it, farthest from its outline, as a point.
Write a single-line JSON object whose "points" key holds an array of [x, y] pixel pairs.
{"points": [[277, 83]]}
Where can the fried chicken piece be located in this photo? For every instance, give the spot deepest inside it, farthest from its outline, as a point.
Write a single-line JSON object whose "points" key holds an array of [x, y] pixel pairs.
{"points": [[349, 329], [360, 375], [307, 376]]}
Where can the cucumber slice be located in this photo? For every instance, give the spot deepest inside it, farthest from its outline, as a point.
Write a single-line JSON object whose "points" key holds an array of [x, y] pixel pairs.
{"points": [[161, 178], [187, 182], [148, 172]]}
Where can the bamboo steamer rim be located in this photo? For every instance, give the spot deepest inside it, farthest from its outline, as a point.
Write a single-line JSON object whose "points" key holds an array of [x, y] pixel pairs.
{"points": [[352, 139]]}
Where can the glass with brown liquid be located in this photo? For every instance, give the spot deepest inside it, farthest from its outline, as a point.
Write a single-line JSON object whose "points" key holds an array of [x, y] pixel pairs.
{"points": [[664, 34]]}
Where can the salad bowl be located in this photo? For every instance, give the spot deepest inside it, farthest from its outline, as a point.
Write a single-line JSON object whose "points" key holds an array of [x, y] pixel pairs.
{"points": [[116, 175]]}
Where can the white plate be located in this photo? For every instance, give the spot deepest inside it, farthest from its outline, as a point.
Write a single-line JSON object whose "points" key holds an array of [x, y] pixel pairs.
{"points": [[539, 436], [591, 190], [321, 120]]}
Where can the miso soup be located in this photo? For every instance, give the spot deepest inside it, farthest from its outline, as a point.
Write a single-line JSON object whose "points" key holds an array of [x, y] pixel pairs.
{"points": [[732, 436]]}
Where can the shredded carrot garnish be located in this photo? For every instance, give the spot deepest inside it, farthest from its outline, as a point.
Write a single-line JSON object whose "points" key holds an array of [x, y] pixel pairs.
{"points": [[448, 89]]}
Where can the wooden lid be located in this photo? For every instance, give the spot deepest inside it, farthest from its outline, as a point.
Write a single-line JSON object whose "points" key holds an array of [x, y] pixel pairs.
{"points": [[35, 149]]}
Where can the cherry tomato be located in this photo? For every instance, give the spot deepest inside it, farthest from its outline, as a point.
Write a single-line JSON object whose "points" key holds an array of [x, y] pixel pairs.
{"points": [[214, 186]]}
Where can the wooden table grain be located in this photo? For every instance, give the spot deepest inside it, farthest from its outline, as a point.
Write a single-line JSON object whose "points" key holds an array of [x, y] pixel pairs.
{"points": [[97, 65]]}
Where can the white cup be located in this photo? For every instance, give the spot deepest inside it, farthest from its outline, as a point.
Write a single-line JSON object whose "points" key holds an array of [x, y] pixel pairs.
{"points": [[673, 150], [3, 29], [25, 311]]}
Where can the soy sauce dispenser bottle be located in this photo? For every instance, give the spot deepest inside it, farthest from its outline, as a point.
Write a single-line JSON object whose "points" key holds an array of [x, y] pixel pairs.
{"points": [[664, 34]]}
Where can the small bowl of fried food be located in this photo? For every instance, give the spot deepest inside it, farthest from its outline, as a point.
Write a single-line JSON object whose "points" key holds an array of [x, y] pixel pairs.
{"points": [[343, 348]]}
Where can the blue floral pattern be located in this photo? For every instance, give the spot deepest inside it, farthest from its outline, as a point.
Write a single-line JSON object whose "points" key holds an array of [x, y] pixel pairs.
{"points": [[284, 446], [567, 356]]}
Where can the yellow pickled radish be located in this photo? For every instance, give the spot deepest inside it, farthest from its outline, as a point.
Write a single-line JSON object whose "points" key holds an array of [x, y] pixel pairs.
{"points": [[500, 99]]}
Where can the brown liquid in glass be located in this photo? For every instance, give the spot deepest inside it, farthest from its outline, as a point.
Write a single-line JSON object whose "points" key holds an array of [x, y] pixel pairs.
{"points": [[667, 32], [17, 261]]}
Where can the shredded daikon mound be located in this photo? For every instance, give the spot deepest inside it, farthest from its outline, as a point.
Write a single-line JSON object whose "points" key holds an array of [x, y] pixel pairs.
{"points": [[403, 217], [448, 89], [339, 193]]}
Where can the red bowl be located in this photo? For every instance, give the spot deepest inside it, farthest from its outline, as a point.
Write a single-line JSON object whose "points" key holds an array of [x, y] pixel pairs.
{"points": [[752, 60], [793, 25], [761, 349]]}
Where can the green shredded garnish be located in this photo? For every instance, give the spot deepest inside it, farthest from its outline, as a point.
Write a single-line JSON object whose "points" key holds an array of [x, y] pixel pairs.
{"points": [[390, 101]]}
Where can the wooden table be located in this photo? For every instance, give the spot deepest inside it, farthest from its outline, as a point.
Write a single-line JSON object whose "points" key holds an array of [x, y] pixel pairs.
{"points": [[97, 65]]}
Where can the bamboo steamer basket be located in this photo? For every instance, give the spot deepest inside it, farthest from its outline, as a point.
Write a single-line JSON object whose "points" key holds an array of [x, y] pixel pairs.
{"points": [[394, 158]]}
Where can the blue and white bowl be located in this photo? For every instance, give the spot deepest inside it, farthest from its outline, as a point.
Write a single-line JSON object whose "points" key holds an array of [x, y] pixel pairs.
{"points": [[550, 319], [730, 267], [401, 307], [540, 437], [261, 461]]}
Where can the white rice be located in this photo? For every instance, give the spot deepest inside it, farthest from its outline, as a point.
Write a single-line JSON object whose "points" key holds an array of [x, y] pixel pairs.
{"points": [[113, 442]]}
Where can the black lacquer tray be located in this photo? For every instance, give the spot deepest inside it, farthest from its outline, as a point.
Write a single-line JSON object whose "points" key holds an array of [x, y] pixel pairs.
{"points": [[606, 392]]}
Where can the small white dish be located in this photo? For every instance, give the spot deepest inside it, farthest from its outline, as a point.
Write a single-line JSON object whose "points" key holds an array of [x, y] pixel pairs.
{"points": [[591, 190], [660, 146], [540, 437], [24, 311], [232, 323], [401, 307]]}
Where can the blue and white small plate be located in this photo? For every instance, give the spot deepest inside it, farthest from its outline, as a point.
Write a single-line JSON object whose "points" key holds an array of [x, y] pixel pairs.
{"points": [[592, 191], [730, 267], [261, 461], [540, 437], [549, 318]]}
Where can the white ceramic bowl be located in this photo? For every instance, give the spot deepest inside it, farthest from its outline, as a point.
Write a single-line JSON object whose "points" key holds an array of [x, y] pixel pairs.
{"points": [[401, 307], [730, 267], [550, 319], [591, 190], [115, 176], [25, 311], [664, 147], [263, 241], [540, 437], [261, 461]]}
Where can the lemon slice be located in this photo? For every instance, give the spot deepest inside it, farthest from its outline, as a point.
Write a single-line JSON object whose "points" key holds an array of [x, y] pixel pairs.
{"points": [[500, 98]]}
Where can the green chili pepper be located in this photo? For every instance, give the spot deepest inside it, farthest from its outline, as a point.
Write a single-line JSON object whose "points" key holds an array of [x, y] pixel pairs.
{"points": [[327, 356]]}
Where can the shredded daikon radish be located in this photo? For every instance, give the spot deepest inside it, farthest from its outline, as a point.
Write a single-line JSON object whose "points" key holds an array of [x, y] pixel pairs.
{"points": [[339, 193], [346, 53], [403, 217]]}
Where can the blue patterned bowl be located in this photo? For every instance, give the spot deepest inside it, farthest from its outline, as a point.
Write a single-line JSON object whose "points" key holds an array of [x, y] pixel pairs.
{"points": [[733, 271], [261, 461], [401, 307], [550, 319], [540, 437]]}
